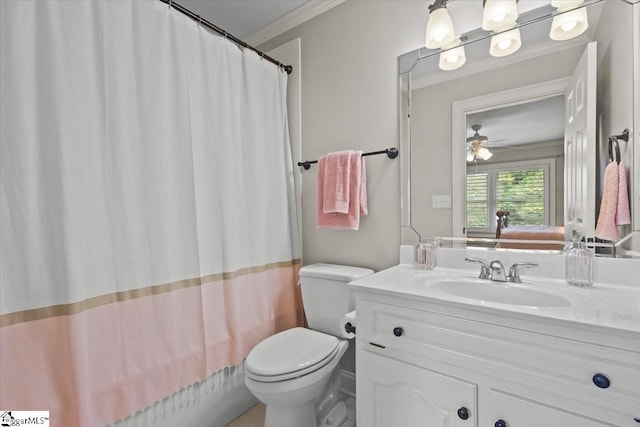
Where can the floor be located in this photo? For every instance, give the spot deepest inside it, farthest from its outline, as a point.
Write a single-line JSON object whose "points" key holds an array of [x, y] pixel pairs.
{"points": [[254, 417]]}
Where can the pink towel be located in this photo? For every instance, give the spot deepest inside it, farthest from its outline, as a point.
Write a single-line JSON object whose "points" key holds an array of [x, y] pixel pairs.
{"points": [[606, 226], [357, 195], [337, 182], [623, 213], [364, 208]]}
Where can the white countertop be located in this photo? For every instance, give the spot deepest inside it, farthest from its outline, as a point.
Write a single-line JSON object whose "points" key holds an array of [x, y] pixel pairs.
{"points": [[612, 305]]}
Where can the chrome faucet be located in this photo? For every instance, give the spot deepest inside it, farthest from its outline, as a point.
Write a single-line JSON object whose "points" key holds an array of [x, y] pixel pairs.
{"points": [[514, 273], [497, 271], [484, 269]]}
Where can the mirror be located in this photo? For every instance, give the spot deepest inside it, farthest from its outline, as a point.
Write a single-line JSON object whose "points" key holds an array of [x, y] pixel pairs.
{"points": [[439, 107], [515, 165]]}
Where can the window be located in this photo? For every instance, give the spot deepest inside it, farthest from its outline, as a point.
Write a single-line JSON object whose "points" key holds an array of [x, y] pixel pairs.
{"points": [[478, 200], [522, 188]]}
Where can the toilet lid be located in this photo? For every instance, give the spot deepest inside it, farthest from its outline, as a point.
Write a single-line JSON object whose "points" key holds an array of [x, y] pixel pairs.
{"points": [[290, 352]]}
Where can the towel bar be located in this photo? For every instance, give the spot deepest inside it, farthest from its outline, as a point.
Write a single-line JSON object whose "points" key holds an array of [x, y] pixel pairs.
{"points": [[613, 139], [392, 153]]}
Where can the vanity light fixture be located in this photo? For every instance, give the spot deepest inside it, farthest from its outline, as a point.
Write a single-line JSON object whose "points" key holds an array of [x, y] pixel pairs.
{"points": [[440, 31], [569, 23], [505, 43], [498, 14], [499, 17], [452, 57]]}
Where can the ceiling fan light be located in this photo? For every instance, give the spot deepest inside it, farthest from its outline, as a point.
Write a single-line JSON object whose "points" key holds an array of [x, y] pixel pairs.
{"points": [[499, 14], [453, 57], [505, 43], [569, 24], [566, 4], [470, 156], [484, 153], [439, 29]]}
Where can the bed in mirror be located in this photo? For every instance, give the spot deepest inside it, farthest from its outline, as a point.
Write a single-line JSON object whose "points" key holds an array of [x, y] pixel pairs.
{"points": [[517, 144]]}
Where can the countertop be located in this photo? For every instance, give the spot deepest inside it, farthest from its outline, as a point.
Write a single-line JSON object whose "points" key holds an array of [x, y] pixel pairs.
{"points": [[606, 305]]}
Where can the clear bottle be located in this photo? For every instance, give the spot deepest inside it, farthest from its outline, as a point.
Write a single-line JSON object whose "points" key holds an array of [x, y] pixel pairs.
{"points": [[578, 264], [424, 255]]}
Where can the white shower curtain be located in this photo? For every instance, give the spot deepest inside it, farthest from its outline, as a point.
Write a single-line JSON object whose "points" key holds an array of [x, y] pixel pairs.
{"points": [[148, 233]]}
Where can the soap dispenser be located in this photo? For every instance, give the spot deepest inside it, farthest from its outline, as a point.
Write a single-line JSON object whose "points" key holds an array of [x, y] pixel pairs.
{"points": [[578, 263]]}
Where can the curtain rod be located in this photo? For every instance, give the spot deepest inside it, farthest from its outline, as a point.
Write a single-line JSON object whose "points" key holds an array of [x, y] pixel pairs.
{"points": [[213, 27], [392, 153]]}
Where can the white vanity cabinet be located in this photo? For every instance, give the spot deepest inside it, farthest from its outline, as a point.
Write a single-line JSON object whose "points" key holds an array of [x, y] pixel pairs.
{"points": [[426, 363]]}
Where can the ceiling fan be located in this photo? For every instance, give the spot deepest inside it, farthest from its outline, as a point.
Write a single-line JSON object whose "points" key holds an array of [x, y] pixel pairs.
{"points": [[478, 146]]}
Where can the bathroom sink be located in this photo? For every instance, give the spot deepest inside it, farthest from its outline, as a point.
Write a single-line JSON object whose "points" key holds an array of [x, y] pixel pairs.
{"points": [[498, 292]]}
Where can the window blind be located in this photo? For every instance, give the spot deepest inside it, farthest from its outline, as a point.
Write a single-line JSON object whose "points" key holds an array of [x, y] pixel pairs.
{"points": [[521, 191], [478, 200]]}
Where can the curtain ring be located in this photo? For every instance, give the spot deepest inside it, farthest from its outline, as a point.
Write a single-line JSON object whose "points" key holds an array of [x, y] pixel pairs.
{"points": [[170, 4], [261, 55], [199, 20]]}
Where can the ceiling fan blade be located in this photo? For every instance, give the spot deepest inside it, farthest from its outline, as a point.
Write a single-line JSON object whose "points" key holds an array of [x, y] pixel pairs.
{"points": [[509, 147], [494, 143]]}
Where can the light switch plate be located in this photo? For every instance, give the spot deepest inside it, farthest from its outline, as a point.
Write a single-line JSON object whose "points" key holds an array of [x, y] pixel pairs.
{"points": [[441, 202]]}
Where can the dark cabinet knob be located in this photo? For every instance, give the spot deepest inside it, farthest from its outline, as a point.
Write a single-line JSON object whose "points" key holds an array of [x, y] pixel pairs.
{"points": [[500, 423], [601, 381], [398, 331], [463, 413]]}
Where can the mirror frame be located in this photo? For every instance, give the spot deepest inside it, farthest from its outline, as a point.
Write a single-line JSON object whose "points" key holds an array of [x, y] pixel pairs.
{"points": [[634, 137]]}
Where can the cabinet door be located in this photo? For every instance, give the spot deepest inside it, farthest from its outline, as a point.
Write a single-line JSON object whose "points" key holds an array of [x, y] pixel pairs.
{"points": [[393, 394], [520, 412]]}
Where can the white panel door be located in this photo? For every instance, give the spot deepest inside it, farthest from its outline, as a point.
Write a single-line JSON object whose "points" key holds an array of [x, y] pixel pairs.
{"points": [[394, 394], [580, 148]]}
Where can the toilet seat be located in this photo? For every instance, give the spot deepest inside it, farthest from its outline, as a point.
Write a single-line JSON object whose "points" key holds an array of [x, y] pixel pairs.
{"points": [[290, 354]]}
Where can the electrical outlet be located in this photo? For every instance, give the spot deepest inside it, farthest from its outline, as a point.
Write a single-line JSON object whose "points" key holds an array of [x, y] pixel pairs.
{"points": [[441, 202]]}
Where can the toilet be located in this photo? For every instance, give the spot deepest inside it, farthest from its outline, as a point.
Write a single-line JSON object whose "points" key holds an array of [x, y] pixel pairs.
{"points": [[290, 371]]}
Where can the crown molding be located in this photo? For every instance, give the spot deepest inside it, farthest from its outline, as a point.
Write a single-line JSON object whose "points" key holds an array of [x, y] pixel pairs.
{"points": [[304, 13]]}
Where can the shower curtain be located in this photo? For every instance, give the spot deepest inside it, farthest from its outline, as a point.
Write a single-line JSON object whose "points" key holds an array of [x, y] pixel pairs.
{"points": [[148, 233]]}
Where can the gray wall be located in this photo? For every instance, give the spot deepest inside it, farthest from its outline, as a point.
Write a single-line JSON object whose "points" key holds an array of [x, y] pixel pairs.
{"points": [[350, 101]]}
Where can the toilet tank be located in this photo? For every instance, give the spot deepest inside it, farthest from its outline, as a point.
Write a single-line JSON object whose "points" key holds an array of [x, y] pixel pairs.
{"points": [[326, 296]]}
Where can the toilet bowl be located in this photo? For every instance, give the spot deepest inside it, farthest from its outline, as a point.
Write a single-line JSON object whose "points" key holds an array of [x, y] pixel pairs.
{"points": [[290, 383], [289, 371]]}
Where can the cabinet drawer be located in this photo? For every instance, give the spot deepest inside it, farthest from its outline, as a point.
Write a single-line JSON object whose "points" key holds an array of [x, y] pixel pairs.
{"points": [[495, 350], [513, 411]]}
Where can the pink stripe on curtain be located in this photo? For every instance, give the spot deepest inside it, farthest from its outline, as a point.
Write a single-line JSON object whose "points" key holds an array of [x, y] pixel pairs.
{"points": [[75, 366]]}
